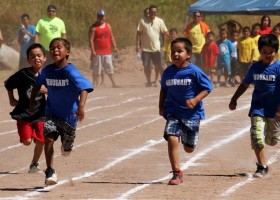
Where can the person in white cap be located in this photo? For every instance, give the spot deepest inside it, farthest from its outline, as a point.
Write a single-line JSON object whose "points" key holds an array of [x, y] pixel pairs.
{"points": [[100, 40]]}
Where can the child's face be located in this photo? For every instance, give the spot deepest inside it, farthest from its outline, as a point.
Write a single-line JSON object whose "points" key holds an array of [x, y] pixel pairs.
{"points": [[172, 35], [256, 30], [36, 58], [58, 52], [246, 33], [210, 38], [276, 32], [267, 55], [180, 57], [235, 37], [25, 21], [223, 35]]}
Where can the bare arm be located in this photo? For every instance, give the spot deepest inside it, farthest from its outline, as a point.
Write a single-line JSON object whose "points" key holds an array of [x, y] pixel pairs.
{"points": [[138, 41], [1, 38], [81, 108], [162, 97], [12, 100], [91, 42], [240, 90], [36, 38], [191, 103], [113, 41]]}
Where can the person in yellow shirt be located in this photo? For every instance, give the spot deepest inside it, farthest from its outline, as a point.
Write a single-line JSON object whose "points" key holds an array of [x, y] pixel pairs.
{"points": [[255, 34], [167, 45], [196, 32], [276, 32], [245, 52]]}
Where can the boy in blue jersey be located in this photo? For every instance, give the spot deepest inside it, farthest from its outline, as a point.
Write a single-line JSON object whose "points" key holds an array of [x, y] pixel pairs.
{"points": [[264, 111], [183, 86], [67, 93]]}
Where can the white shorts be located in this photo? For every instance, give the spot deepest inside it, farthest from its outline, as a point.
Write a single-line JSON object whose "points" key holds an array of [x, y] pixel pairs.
{"points": [[100, 63]]}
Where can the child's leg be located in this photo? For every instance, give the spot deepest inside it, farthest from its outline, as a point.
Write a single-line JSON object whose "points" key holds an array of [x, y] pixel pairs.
{"points": [[49, 150], [259, 152], [173, 152], [39, 146]]}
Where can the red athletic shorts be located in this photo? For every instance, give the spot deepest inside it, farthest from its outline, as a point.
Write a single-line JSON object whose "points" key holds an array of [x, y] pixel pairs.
{"points": [[30, 130]]}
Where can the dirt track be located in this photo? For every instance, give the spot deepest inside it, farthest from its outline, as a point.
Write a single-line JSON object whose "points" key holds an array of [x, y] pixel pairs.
{"points": [[119, 152]]}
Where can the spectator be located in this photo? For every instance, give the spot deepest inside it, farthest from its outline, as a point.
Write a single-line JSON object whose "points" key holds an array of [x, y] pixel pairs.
{"points": [[231, 25], [265, 25], [148, 42], [48, 28], [100, 39], [26, 36], [196, 31]]}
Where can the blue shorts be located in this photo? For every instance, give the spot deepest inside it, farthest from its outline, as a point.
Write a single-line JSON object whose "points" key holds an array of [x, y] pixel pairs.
{"points": [[185, 129]]}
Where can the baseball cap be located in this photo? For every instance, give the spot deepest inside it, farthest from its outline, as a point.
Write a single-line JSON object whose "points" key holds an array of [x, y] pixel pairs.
{"points": [[101, 12]]}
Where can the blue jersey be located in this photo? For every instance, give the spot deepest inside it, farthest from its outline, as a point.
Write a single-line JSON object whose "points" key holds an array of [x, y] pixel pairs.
{"points": [[64, 86], [27, 40], [180, 85], [225, 48], [266, 94]]}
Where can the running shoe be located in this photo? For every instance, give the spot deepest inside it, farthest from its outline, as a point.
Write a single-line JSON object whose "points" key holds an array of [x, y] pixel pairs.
{"points": [[34, 167], [261, 171], [177, 177], [51, 177]]}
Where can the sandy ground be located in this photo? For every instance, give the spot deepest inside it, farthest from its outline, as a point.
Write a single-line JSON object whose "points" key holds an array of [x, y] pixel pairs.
{"points": [[119, 152]]}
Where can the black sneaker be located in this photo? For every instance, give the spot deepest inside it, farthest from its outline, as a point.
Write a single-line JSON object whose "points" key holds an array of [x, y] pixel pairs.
{"points": [[177, 177], [261, 171], [51, 177]]}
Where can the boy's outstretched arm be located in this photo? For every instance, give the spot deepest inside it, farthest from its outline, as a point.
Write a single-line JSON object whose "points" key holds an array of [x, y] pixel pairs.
{"points": [[240, 90], [12, 100], [81, 108], [162, 97], [191, 103], [33, 95]]}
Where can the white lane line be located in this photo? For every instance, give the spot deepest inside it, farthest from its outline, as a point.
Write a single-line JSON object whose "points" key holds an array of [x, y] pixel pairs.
{"points": [[89, 125], [190, 162], [139, 151], [250, 179], [8, 132]]}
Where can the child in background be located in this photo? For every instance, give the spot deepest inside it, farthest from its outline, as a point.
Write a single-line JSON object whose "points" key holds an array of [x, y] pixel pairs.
{"points": [[67, 93], [209, 52], [276, 32], [223, 59], [264, 111], [183, 86], [30, 125], [256, 35], [231, 25], [245, 52], [233, 60], [167, 49]]}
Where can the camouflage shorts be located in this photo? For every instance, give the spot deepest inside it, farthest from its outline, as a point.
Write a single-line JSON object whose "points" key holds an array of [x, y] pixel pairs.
{"points": [[59, 127]]}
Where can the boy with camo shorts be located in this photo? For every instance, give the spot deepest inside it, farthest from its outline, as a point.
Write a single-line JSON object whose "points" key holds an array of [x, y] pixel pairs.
{"points": [[67, 94], [264, 111]]}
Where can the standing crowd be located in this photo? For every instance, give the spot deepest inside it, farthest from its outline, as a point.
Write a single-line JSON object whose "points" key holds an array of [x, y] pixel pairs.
{"points": [[195, 63]]}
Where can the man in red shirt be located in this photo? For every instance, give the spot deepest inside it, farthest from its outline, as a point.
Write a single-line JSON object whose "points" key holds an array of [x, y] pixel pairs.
{"points": [[100, 40]]}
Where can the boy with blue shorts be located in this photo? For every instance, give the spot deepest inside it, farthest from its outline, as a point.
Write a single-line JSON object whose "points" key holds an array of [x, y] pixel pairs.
{"points": [[183, 86], [264, 111]]}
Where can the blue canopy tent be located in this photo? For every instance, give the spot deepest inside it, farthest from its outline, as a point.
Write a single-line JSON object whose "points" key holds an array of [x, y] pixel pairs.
{"points": [[242, 7]]}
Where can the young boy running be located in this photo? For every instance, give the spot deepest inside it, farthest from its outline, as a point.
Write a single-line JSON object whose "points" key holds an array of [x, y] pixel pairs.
{"points": [[30, 125], [264, 111], [183, 86], [67, 93]]}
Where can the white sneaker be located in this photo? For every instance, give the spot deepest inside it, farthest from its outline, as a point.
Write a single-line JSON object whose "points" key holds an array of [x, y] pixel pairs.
{"points": [[51, 177], [34, 167], [64, 153]]}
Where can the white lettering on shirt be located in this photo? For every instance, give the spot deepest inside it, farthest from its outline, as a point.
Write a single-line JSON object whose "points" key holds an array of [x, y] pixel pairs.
{"points": [[264, 77], [57, 82], [174, 82]]}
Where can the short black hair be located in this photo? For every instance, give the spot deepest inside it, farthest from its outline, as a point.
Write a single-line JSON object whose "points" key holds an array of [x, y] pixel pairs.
{"points": [[65, 42], [35, 46], [51, 6], [25, 15], [268, 40], [186, 41]]}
